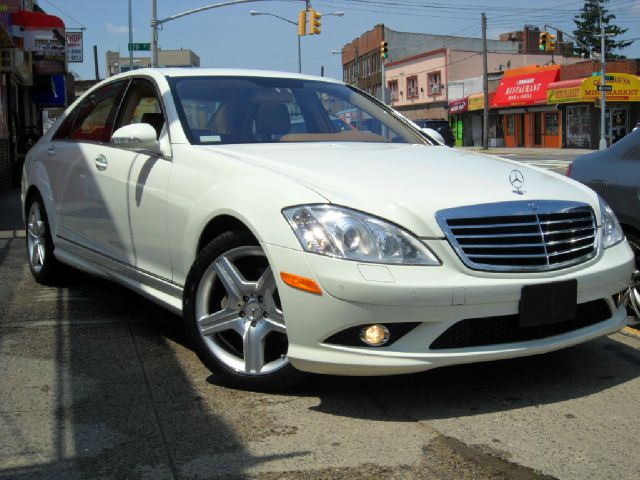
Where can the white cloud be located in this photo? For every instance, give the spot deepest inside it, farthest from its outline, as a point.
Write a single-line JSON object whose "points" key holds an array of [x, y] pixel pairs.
{"points": [[111, 28]]}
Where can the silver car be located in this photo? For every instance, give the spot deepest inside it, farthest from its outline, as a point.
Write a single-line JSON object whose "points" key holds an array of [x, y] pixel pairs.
{"points": [[615, 174]]}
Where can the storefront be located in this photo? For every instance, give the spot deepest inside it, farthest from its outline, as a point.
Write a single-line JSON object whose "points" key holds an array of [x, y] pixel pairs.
{"points": [[457, 108], [580, 98], [475, 115], [521, 100]]}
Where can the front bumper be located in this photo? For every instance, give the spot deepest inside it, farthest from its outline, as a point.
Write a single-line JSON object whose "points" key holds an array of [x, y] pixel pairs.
{"points": [[434, 297]]}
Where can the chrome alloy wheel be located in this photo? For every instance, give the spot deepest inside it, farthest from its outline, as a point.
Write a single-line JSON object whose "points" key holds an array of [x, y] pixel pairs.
{"points": [[238, 312], [36, 238], [634, 294]]}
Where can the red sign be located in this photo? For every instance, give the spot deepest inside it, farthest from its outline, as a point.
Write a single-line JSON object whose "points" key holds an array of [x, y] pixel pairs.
{"points": [[459, 105], [528, 89]]}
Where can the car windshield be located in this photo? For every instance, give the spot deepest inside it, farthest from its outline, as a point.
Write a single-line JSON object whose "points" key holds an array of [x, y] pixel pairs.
{"points": [[225, 110]]}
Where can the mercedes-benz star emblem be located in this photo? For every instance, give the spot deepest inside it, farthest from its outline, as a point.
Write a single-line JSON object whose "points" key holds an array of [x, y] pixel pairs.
{"points": [[517, 181]]}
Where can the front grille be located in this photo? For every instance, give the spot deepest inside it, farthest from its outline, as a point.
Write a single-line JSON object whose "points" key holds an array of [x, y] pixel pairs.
{"points": [[477, 332], [521, 236]]}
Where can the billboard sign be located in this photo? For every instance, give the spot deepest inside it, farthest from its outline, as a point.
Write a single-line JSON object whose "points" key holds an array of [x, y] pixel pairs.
{"points": [[74, 51]]}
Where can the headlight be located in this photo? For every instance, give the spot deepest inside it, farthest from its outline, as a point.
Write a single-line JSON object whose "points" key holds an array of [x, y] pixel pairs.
{"points": [[611, 231], [343, 233]]}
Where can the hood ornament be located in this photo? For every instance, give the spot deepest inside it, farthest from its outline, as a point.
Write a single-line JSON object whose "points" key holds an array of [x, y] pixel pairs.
{"points": [[516, 178]]}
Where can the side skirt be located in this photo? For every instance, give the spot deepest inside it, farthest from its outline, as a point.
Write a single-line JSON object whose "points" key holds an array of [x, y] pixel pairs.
{"points": [[157, 289]]}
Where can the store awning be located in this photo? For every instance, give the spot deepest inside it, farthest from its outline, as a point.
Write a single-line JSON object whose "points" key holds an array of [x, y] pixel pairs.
{"points": [[37, 20], [624, 88], [526, 89], [458, 105]]}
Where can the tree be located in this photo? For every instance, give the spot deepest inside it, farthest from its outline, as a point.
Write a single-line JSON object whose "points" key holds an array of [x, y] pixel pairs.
{"points": [[588, 30]]}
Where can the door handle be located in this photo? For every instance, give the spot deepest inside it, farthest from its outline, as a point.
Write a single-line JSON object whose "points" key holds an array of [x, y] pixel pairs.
{"points": [[101, 163], [51, 150]]}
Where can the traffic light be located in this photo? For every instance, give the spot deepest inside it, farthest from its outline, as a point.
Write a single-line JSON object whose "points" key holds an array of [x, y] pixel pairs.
{"points": [[384, 50], [315, 22], [302, 23], [542, 42], [551, 43]]}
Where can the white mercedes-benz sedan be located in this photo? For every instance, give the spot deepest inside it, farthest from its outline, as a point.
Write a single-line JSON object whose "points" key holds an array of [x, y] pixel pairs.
{"points": [[299, 225]]}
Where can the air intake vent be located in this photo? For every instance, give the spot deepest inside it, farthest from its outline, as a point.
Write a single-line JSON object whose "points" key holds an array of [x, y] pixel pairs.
{"points": [[521, 236]]}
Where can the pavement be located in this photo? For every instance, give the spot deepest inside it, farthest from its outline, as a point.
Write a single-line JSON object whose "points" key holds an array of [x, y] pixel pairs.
{"points": [[539, 152], [98, 383]]}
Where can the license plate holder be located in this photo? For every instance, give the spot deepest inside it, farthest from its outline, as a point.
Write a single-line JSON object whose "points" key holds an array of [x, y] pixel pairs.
{"points": [[548, 303]]}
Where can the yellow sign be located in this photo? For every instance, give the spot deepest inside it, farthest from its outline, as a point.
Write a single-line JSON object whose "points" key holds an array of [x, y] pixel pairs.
{"points": [[476, 102], [625, 88]]}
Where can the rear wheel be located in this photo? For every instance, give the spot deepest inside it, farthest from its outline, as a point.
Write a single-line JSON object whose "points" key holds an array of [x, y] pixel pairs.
{"points": [[234, 315], [43, 265]]}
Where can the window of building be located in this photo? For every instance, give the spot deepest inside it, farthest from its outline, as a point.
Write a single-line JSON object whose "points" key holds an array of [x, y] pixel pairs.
{"points": [[393, 88], [551, 123], [412, 86], [434, 81]]}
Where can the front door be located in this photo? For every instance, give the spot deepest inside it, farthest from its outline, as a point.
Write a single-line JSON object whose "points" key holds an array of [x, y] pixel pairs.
{"points": [[132, 227], [520, 130]]}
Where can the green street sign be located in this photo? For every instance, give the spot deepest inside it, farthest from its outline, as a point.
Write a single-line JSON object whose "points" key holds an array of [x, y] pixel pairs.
{"points": [[599, 74], [139, 47]]}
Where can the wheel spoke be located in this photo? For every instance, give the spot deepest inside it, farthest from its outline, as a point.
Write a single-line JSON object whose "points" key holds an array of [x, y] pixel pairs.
{"points": [[231, 278], [221, 321], [266, 283], [253, 346], [34, 254], [40, 249]]}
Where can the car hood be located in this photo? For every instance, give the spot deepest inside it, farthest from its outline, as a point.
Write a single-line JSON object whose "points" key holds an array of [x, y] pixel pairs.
{"points": [[406, 184]]}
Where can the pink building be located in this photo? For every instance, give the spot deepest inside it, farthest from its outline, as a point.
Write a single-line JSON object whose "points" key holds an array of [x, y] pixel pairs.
{"points": [[422, 85]]}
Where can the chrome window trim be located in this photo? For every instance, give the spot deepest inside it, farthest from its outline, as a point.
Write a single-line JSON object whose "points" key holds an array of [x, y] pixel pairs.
{"points": [[519, 208]]}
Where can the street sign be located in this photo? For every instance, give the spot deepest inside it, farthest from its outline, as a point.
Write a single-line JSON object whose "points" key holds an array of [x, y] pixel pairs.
{"points": [[605, 88], [139, 47]]}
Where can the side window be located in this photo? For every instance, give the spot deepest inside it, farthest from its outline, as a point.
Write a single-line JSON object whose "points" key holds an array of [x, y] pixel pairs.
{"points": [[141, 105], [92, 120]]}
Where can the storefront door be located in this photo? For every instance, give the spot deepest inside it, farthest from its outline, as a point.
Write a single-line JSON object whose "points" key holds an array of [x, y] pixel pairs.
{"points": [[520, 130], [537, 128], [618, 126]]}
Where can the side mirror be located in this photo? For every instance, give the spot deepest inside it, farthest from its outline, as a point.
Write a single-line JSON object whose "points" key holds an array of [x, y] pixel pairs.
{"points": [[137, 136], [431, 133]]}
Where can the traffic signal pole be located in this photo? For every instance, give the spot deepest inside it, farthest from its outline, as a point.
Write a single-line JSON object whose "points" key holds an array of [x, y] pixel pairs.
{"points": [[485, 86], [603, 106], [156, 22]]}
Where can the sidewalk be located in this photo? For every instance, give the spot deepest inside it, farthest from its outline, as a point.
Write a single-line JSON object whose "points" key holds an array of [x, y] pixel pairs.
{"points": [[530, 151], [11, 224]]}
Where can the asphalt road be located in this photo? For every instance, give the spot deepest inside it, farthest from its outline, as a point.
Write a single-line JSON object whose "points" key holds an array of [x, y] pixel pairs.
{"points": [[98, 383], [556, 163]]}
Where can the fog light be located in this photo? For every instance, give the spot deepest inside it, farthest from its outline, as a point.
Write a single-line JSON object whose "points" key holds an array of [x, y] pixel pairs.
{"points": [[375, 335]]}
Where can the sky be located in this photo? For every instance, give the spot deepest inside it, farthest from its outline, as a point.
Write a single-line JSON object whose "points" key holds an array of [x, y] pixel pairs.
{"points": [[230, 37]]}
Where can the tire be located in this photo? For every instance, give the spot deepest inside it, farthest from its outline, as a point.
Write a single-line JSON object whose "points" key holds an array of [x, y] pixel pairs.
{"points": [[44, 267], [634, 242], [233, 315]]}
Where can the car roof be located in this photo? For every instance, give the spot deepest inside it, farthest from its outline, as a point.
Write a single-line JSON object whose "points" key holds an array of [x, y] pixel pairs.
{"points": [[219, 72]]}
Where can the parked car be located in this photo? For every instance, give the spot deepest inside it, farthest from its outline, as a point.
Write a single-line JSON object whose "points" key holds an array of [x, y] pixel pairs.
{"points": [[349, 252], [442, 127], [615, 174]]}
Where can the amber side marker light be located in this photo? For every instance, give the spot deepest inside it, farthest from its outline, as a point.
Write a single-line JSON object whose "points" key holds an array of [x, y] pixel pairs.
{"points": [[301, 283]]}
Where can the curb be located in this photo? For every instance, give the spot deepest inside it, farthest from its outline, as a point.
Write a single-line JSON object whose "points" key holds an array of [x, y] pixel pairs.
{"points": [[631, 332]]}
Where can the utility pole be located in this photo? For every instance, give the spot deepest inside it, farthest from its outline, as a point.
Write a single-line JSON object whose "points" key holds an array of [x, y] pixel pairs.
{"points": [[485, 86], [154, 34], [603, 102], [130, 39], [382, 82]]}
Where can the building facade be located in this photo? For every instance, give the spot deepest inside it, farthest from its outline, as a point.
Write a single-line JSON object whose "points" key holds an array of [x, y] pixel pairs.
{"points": [[166, 58]]}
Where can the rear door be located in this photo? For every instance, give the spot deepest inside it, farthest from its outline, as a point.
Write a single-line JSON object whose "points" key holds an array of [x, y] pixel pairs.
{"points": [[71, 166]]}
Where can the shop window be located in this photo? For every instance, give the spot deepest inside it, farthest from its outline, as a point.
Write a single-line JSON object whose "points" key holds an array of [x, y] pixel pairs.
{"points": [[393, 88], [412, 87], [511, 125], [551, 123], [434, 81]]}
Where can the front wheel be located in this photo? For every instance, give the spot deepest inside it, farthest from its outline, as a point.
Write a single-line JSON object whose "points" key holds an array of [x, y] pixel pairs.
{"points": [[233, 313], [634, 301]]}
